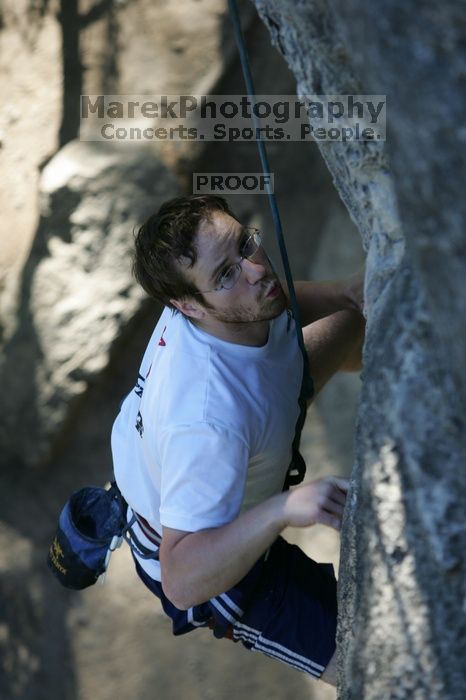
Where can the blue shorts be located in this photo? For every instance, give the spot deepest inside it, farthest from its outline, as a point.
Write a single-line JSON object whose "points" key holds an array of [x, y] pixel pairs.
{"points": [[286, 609]]}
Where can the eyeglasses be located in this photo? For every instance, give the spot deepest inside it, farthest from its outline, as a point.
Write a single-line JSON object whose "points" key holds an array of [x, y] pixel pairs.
{"points": [[231, 275]]}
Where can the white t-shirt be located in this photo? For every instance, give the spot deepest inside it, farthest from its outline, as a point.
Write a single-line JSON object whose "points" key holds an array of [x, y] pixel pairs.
{"points": [[207, 431]]}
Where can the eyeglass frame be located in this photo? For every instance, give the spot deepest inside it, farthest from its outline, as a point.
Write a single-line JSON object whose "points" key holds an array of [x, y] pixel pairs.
{"points": [[255, 232]]}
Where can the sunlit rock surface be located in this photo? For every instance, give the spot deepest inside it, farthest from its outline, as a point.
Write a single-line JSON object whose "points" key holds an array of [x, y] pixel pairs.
{"points": [[75, 293]]}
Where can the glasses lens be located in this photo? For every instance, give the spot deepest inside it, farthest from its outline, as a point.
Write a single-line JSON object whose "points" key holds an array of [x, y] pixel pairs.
{"points": [[252, 244], [231, 276]]}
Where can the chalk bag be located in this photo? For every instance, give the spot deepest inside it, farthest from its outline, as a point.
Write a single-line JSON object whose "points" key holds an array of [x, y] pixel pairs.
{"points": [[91, 526]]}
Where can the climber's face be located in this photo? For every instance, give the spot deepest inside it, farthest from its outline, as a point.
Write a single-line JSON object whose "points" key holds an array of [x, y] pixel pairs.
{"points": [[238, 295]]}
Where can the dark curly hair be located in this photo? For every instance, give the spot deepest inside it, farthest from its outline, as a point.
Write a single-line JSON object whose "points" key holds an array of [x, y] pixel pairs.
{"points": [[167, 236]]}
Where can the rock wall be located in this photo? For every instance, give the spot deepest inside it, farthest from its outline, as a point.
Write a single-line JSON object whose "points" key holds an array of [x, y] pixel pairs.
{"points": [[402, 624], [76, 291]]}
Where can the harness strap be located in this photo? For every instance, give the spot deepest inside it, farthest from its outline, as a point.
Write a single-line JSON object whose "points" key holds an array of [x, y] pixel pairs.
{"points": [[128, 533], [151, 534]]}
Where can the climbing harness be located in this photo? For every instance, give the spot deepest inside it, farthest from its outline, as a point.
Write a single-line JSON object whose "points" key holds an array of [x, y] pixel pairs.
{"points": [[297, 466]]}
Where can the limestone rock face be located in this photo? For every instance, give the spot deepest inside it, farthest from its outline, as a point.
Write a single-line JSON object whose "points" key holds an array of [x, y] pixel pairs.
{"points": [[76, 291], [402, 627]]}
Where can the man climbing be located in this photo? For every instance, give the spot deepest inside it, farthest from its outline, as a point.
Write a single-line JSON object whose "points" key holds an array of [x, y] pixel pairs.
{"points": [[202, 445]]}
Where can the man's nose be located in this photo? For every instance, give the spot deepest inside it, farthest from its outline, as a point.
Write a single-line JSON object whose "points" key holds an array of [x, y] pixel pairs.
{"points": [[253, 271]]}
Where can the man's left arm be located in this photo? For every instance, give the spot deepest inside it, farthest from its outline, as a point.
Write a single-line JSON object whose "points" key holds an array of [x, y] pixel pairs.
{"points": [[333, 325], [317, 300]]}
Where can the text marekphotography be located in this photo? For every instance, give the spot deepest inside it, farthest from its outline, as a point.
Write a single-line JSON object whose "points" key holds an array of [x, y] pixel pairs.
{"points": [[233, 118]]}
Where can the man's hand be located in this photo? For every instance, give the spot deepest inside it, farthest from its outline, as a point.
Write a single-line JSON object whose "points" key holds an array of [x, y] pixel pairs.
{"points": [[320, 501], [353, 289]]}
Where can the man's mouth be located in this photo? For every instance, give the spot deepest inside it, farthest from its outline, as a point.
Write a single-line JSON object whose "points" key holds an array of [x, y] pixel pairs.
{"points": [[273, 291]]}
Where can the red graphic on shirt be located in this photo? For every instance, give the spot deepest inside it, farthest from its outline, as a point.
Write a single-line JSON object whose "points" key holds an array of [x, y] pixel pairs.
{"points": [[161, 341]]}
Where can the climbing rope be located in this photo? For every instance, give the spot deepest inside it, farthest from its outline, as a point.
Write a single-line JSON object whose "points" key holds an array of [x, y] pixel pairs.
{"points": [[298, 466]]}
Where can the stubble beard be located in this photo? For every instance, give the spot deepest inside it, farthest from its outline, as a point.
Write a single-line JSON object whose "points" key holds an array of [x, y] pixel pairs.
{"points": [[268, 309]]}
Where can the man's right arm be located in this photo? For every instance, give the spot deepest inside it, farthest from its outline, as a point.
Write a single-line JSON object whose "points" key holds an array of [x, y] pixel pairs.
{"points": [[200, 565]]}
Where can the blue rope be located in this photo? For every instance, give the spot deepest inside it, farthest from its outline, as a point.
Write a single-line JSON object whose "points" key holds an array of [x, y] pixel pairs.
{"points": [[307, 388]]}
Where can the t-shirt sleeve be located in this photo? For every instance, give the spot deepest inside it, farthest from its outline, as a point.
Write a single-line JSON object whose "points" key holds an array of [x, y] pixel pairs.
{"points": [[204, 468]]}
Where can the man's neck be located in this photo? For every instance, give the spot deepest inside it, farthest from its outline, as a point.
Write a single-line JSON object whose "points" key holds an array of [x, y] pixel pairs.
{"points": [[255, 334]]}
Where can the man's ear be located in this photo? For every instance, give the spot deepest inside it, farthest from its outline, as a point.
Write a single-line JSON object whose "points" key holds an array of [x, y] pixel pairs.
{"points": [[189, 307]]}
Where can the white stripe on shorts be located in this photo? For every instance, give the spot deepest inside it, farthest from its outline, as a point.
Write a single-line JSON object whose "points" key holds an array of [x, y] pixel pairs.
{"points": [[272, 648], [223, 610], [231, 604], [191, 619], [258, 647]]}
